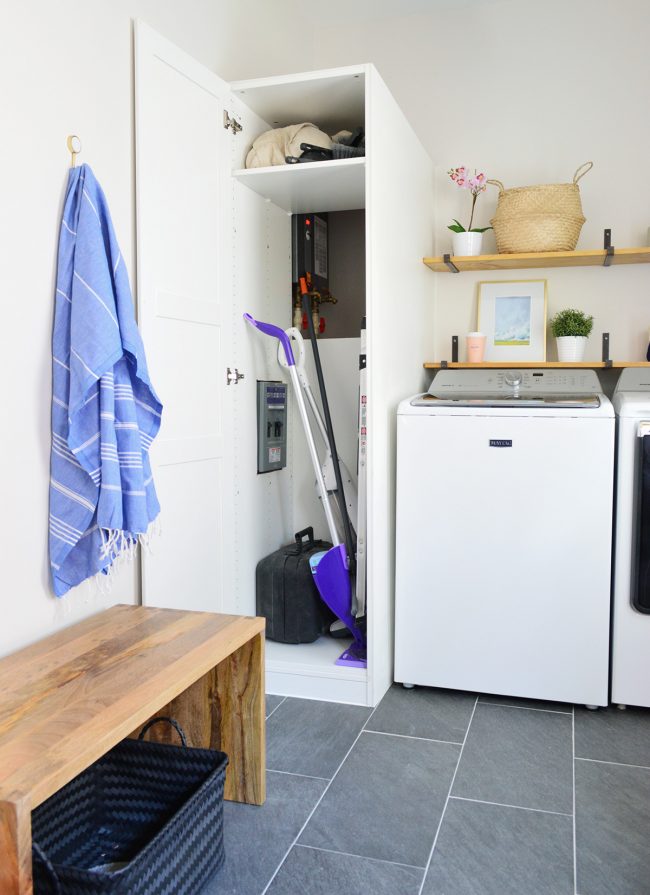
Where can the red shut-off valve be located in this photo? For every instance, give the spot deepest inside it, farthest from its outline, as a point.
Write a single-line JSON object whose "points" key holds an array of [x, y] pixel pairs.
{"points": [[322, 323]]}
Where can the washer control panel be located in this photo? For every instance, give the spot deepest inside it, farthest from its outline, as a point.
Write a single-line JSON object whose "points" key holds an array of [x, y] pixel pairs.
{"points": [[548, 380], [507, 382]]}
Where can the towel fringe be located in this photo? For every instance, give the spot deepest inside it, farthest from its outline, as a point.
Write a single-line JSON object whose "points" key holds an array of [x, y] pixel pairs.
{"points": [[120, 548], [148, 538]]}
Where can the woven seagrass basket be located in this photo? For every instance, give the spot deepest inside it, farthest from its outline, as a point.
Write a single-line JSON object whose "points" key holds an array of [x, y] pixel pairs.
{"points": [[543, 218]]}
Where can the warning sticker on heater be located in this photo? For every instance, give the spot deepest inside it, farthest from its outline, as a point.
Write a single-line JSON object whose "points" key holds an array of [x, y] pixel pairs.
{"points": [[320, 247], [275, 455]]}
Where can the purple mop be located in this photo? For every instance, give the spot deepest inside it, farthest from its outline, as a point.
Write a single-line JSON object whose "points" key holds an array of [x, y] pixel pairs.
{"points": [[331, 569]]}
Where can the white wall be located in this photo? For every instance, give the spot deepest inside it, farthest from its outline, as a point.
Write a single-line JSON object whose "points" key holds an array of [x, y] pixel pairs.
{"points": [[526, 91], [65, 67]]}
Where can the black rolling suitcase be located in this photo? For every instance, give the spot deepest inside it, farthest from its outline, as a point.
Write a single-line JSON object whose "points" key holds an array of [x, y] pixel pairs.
{"points": [[286, 594]]}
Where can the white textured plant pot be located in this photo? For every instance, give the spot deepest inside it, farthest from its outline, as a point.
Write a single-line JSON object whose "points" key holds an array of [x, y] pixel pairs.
{"points": [[571, 349], [467, 243]]}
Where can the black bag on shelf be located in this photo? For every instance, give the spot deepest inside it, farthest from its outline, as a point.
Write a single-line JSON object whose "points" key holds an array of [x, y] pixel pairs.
{"points": [[286, 594], [310, 153]]}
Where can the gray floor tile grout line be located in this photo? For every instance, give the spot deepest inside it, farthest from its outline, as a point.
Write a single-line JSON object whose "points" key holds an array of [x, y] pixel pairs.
{"points": [[406, 736], [506, 805], [366, 722], [573, 770], [347, 854], [282, 701], [293, 774], [620, 764], [526, 708], [319, 800], [444, 810]]}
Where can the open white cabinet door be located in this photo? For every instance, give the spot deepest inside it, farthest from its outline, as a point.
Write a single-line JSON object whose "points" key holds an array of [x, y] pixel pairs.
{"points": [[181, 158]]}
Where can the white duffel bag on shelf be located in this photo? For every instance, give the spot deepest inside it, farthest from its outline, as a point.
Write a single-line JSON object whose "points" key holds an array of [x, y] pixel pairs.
{"points": [[272, 147]]}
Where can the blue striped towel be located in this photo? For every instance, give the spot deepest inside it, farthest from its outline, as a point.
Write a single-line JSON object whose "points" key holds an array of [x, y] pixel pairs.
{"points": [[105, 413]]}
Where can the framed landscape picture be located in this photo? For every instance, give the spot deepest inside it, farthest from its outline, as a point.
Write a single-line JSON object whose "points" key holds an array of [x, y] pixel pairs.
{"points": [[512, 316]]}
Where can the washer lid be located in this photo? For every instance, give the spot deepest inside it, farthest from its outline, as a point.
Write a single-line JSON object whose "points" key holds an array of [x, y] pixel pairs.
{"points": [[632, 404], [498, 399]]}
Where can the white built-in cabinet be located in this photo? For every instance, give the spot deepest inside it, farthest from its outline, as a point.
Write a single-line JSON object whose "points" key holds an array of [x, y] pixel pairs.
{"points": [[214, 242]]}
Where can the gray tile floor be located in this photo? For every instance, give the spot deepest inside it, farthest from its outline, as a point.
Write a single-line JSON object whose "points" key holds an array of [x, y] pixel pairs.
{"points": [[443, 793]]}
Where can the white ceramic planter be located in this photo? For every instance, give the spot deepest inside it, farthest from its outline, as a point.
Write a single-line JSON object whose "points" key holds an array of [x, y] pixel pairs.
{"points": [[571, 349], [467, 243]]}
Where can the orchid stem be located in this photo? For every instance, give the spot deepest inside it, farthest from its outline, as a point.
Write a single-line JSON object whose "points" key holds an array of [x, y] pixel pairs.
{"points": [[471, 217]]}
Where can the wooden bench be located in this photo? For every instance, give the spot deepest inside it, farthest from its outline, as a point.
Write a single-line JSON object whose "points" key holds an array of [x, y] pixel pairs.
{"points": [[68, 699]]}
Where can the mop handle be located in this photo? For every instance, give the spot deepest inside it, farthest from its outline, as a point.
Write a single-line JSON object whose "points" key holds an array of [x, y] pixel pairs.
{"points": [[318, 472], [298, 348], [277, 333], [283, 338], [349, 544]]}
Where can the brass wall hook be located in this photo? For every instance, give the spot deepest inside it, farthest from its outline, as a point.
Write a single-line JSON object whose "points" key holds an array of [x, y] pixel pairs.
{"points": [[74, 147]]}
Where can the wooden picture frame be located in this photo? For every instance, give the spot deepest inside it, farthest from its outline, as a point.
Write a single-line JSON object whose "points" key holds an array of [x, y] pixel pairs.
{"points": [[512, 316]]}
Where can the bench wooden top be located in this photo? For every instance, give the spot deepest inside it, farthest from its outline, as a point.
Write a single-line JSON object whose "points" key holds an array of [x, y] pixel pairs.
{"points": [[68, 699]]}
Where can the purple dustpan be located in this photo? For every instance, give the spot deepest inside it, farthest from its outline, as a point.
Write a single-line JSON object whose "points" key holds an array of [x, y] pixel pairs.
{"points": [[332, 579]]}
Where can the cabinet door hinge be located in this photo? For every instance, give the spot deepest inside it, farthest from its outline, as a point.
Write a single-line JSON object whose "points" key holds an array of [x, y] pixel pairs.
{"points": [[233, 376], [231, 123]]}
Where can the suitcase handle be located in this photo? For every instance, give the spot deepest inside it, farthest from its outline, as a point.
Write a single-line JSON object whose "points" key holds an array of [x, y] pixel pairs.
{"points": [[301, 535]]}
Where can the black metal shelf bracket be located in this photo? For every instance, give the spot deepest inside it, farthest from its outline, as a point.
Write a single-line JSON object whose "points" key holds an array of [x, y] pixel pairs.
{"points": [[609, 248], [444, 364], [450, 264], [606, 358]]}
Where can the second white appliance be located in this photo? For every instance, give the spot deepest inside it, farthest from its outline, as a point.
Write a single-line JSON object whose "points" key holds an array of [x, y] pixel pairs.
{"points": [[631, 618], [504, 523]]}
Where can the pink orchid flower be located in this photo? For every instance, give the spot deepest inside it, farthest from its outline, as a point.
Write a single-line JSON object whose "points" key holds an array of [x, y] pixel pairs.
{"points": [[476, 184], [459, 175]]}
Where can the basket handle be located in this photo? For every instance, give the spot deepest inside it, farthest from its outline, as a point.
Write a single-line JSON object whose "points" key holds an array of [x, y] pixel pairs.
{"points": [[40, 855], [173, 723], [587, 167], [496, 183]]}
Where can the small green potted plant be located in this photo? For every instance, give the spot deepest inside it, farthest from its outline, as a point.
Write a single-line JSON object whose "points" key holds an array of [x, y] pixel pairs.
{"points": [[571, 329], [468, 240]]}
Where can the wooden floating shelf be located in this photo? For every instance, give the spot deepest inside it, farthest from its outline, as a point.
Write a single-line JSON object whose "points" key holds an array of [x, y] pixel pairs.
{"points": [[590, 258], [510, 365]]}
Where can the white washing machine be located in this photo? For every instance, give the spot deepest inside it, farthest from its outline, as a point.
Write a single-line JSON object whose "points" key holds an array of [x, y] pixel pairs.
{"points": [[504, 528], [631, 608]]}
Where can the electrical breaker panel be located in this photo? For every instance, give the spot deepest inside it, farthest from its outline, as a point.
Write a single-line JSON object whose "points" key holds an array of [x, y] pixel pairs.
{"points": [[271, 426]]}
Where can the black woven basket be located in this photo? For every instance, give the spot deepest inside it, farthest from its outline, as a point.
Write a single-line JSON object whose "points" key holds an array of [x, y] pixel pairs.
{"points": [[145, 819]]}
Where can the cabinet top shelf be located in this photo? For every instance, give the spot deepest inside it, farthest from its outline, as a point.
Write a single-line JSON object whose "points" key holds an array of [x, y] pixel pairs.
{"points": [[503, 365], [522, 261], [334, 98]]}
